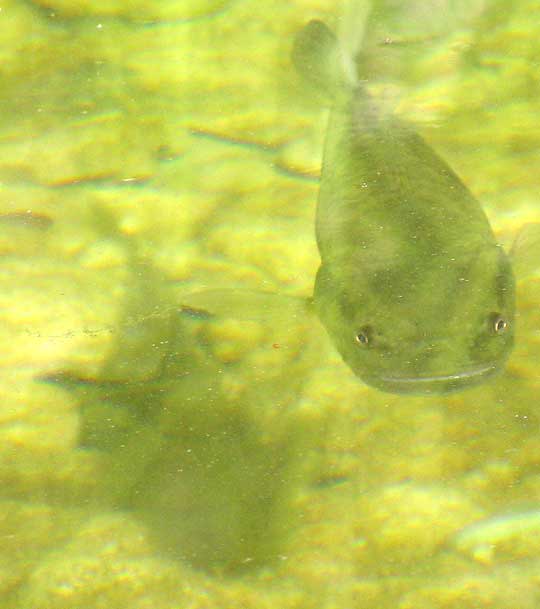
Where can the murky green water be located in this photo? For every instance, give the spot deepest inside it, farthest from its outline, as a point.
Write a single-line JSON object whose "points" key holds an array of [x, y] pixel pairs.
{"points": [[154, 455]]}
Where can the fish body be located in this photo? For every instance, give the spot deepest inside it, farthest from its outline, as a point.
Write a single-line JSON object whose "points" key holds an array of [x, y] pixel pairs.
{"points": [[413, 288]]}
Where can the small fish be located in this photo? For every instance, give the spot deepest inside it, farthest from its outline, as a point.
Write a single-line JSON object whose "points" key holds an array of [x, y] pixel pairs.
{"points": [[504, 537], [413, 288], [26, 219]]}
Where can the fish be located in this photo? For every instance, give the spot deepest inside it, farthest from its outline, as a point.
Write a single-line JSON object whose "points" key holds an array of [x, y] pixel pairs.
{"points": [[26, 219], [500, 538], [413, 289]]}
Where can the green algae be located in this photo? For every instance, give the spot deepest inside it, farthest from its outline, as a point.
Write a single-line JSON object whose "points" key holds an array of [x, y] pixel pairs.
{"points": [[181, 132]]}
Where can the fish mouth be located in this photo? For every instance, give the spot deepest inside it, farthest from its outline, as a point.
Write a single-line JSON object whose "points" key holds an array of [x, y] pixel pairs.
{"points": [[436, 383]]}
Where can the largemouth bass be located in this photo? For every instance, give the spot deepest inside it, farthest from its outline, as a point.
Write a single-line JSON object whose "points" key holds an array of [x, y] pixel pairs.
{"points": [[413, 288]]}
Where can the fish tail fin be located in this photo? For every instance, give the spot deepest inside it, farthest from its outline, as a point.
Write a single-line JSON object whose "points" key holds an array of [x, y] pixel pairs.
{"points": [[315, 56], [326, 62]]}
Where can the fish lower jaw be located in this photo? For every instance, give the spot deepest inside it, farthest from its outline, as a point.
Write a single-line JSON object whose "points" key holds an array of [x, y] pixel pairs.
{"points": [[434, 384]]}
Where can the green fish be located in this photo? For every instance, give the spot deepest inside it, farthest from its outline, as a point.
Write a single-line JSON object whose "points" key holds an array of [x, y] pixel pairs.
{"points": [[413, 288]]}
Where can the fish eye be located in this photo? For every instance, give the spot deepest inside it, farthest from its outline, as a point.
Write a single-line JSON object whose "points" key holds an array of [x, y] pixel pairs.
{"points": [[499, 324], [363, 336]]}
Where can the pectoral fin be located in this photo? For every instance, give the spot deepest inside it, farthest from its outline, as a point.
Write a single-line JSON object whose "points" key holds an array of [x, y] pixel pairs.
{"points": [[246, 305], [253, 326], [526, 251]]}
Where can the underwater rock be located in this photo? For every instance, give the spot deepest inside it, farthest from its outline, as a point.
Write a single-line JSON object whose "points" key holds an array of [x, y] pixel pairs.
{"points": [[515, 587], [411, 521], [107, 563], [28, 531]]}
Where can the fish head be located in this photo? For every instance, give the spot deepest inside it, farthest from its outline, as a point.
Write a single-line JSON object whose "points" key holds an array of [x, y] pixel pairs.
{"points": [[423, 333]]}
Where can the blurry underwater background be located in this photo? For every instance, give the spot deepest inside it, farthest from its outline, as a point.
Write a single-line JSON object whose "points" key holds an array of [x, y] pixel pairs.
{"points": [[157, 454]]}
